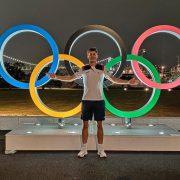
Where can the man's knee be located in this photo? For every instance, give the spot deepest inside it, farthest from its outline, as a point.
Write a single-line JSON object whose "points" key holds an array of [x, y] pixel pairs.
{"points": [[99, 125]]}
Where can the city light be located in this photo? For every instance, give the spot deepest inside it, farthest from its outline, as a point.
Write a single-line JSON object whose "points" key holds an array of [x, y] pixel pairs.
{"points": [[167, 74], [161, 132], [117, 132], [28, 132], [72, 132]]}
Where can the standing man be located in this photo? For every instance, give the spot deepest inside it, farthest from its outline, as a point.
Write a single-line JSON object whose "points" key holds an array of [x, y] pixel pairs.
{"points": [[92, 101]]}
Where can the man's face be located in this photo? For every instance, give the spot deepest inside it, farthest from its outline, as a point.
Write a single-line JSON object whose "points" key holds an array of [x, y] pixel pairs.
{"points": [[92, 56]]}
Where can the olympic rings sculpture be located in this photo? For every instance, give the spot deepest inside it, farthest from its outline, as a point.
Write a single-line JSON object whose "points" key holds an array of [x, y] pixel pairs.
{"points": [[121, 59]]}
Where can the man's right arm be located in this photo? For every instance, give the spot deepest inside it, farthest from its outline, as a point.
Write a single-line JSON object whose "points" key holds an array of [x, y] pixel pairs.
{"points": [[62, 78], [71, 78]]}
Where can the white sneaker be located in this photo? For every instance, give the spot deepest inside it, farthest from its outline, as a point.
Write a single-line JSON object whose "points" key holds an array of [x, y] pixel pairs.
{"points": [[83, 152], [101, 152]]}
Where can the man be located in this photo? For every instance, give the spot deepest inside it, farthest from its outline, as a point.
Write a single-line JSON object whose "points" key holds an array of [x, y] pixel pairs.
{"points": [[92, 101]]}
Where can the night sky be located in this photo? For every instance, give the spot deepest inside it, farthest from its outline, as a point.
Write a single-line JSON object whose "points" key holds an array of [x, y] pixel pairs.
{"points": [[129, 18]]}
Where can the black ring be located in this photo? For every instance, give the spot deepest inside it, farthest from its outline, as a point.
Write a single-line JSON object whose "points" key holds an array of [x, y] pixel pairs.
{"points": [[106, 30]]}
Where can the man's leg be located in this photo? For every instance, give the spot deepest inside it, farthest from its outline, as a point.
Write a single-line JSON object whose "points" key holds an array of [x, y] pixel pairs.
{"points": [[83, 150], [85, 132], [100, 133], [100, 136], [99, 116], [85, 116]]}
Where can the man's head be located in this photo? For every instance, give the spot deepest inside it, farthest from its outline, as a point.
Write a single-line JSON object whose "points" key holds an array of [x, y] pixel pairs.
{"points": [[92, 55]]}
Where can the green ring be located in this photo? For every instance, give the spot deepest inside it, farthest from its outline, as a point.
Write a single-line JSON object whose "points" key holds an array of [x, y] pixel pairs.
{"points": [[155, 93]]}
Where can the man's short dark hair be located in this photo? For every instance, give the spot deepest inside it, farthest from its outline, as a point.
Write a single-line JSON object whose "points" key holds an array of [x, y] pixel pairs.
{"points": [[93, 49]]}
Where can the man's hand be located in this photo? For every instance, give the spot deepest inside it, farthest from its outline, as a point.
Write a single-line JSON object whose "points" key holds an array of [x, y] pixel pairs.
{"points": [[133, 82], [51, 75]]}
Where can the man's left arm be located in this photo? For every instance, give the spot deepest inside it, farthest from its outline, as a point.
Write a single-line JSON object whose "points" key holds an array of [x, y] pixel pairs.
{"points": [[115, 80]]}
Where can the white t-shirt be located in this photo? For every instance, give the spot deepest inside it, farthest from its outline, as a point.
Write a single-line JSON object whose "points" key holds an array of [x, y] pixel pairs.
{"points": [[93, 83]]}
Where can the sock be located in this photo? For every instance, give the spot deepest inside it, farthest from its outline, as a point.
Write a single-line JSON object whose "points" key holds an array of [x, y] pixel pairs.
{"points": [[84, 145], [100, 147]]}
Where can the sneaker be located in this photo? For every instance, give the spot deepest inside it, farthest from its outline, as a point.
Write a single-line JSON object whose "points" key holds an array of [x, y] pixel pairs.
{"points": [[83, 152], [101, 152]]}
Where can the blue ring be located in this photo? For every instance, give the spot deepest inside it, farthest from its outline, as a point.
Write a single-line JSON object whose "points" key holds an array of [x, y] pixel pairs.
{"points": [[8, 34]]}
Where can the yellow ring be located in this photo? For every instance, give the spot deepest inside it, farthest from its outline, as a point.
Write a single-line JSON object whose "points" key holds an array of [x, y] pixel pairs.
{"points": [[33, 90]]}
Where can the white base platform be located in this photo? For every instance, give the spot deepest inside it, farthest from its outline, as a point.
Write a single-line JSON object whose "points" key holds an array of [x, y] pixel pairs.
{"points": [[116, 138]]}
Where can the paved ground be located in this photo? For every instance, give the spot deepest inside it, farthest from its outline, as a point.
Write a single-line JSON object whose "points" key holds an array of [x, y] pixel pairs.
{"points": [[66, 165]]}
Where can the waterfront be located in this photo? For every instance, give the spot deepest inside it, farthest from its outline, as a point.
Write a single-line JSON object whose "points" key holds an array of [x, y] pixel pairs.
{"points": [[18, 102]]}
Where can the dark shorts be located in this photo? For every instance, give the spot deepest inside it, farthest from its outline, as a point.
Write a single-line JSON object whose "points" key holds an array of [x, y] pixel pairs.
{"points": [[90, 108]]}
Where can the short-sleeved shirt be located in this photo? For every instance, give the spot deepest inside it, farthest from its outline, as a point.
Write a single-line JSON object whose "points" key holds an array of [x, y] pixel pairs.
{"points": [[93, 78]]}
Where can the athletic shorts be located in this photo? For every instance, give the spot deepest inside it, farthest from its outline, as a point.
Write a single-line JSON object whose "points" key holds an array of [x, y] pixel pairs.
{"points": [[90, 108]]}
